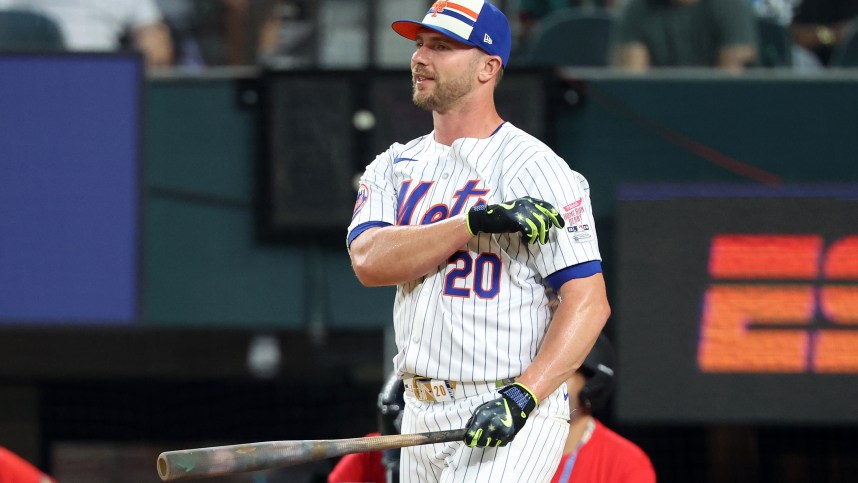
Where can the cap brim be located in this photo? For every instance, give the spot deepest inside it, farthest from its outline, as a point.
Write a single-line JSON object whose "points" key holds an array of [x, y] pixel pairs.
{"points": [[410, 28]]}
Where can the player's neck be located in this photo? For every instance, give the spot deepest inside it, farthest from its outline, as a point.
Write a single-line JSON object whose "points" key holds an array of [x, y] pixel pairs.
{"points": [[577, 428], [471, 120]]}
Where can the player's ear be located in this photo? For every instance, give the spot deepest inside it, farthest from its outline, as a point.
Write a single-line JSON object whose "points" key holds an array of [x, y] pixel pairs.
{"points": [[491, 68]]}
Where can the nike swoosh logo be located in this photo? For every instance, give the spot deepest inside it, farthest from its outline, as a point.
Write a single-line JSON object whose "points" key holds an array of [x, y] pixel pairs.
{"points": [[507, 421], [397, 160]]}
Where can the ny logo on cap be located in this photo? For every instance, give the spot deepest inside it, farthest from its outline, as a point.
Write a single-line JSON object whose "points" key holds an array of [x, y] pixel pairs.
{"points": [[438, 6]]}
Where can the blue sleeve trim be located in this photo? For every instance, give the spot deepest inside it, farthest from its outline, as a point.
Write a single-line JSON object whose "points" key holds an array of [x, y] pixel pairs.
{"points": [[582, 270], [362, 228]]}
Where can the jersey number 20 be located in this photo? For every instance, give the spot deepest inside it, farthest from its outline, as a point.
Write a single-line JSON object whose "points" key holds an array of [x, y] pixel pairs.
{"points": [[485, 285]]}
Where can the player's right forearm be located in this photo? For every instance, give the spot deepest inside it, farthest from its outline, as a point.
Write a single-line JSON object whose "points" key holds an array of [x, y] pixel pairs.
{"points": [[393, 255]]}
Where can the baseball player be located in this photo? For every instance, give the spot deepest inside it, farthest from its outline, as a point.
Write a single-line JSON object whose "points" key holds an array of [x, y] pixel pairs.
{"points": [[489, 238], [593, 453]]}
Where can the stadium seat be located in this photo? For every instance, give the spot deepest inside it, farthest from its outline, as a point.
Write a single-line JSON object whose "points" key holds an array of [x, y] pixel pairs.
{"points": [[28, 32], [571, 37], [775, 43], [846, 52]]}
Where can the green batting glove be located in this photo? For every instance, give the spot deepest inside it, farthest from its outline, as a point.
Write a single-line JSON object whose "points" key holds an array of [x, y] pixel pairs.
{"points": [[531, 217], [496, 422]]}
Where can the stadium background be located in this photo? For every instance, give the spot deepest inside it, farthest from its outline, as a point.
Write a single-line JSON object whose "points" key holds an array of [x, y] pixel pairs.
{"points": [[245, 323]]}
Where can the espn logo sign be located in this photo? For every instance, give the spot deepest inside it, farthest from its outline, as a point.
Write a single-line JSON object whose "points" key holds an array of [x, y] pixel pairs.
{"points": [[780, 304]]}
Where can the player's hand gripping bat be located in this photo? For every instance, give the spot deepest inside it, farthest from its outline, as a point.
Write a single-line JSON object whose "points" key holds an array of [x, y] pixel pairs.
{"points": [[225, 460]]}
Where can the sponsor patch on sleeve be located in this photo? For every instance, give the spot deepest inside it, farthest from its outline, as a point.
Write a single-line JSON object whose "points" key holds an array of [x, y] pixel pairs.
{"points": [[573, 212]]}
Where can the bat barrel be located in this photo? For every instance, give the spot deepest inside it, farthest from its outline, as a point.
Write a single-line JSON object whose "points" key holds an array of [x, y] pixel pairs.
{"points": [[225, 460]]}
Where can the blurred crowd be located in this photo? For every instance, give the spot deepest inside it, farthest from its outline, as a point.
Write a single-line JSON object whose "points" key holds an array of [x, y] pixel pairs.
{"points": [[726, 34], [640, 34], [188, 33]]}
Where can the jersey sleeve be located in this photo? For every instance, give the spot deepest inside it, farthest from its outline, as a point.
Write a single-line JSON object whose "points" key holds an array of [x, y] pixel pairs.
{"points": [[376, 197], [575, 246]]}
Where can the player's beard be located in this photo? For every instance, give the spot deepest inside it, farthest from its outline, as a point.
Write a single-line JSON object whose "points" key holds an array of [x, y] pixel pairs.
{"points": [[446, 93]]}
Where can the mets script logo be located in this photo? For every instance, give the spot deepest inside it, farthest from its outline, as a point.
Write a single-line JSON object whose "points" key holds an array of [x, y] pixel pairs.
{"points": [[780, 304], [411, 193], [438, 7]]}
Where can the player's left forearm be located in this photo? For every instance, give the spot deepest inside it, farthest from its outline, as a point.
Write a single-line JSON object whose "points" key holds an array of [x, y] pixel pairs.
{"points": [[576, 325]]}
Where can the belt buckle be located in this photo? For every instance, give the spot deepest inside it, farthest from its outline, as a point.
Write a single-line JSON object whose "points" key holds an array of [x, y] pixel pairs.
{"points": [[426, 389], [443, 390], [421, 388]]}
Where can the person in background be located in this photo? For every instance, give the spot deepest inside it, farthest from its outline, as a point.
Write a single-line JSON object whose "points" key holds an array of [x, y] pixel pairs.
{"points": [[685, 33], [778, 10], [530, 12], [14, 469], [222, 32], [820, 25], [377, 466], [101, 25], [594, 453], [251, 30], [781, 12]]}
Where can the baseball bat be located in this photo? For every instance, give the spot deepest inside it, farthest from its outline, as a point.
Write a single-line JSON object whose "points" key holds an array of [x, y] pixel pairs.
{"points": [[238, 458]]}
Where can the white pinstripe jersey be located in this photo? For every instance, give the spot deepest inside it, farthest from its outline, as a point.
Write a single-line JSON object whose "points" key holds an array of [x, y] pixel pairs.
{"points": [[483, 315]]}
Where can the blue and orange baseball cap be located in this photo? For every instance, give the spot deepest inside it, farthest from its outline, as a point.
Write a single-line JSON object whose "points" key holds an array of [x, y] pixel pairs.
{"points": [[471, 22]]}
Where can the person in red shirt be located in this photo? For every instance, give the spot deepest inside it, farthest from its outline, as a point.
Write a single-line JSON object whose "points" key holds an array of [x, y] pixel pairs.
{"points": [[376, 466], [360, 468], [593, 452], [14, 469]]}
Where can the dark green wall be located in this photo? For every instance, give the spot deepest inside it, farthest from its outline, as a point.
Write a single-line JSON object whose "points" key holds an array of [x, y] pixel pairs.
{"points": [[203, 264], [698, 129]]}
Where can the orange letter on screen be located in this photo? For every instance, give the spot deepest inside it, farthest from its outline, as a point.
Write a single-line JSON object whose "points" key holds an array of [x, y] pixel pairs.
{"points": [[728, 345], [841, 261], [837, 350], [756, 257]]}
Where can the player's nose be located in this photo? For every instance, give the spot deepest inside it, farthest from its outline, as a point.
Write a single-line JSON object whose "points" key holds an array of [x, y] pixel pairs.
{"points": [[419, 56]]}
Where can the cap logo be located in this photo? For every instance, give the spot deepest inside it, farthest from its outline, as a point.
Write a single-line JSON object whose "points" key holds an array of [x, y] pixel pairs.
{"points": [[487, 39], [438, 6]]}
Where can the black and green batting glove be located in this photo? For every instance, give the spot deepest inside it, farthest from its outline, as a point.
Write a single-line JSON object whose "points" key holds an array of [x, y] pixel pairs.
{"points": [[531, 217], [496, 422]]}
